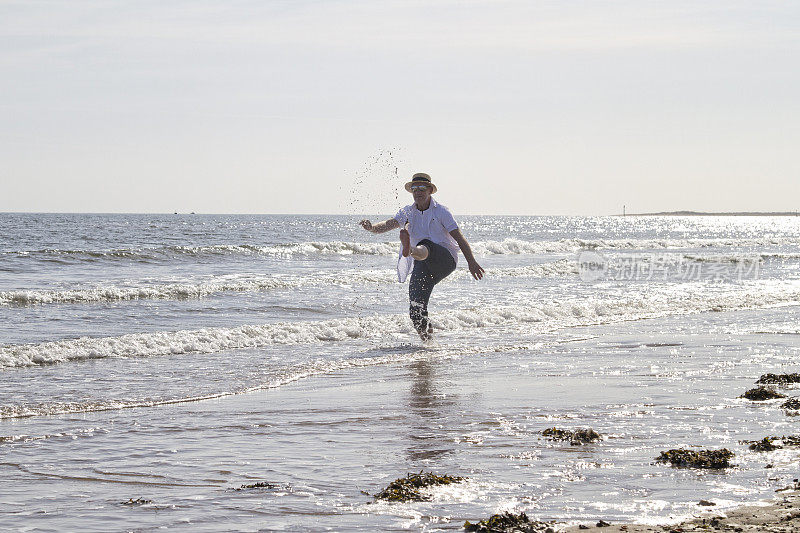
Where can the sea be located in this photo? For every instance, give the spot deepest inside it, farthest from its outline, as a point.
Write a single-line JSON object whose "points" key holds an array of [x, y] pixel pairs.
{"points": [[260, 372]]}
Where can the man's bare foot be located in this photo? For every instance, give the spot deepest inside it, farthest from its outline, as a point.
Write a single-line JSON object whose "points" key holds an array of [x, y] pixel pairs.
{"points": [[405, 240]]}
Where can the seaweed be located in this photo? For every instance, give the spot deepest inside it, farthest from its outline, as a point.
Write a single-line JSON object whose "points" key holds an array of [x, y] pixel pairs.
{"points": [[764, 445], [137, 501], [760, 394], [700, 459], [767, 444], [509, 523], [792, 403], [791, 440], [579, 436], [779, 378], [407, 489], [259, 485], [557, 434]]}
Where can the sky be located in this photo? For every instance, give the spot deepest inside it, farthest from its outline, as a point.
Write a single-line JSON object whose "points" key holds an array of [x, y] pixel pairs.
{"points": [[513, 107]]}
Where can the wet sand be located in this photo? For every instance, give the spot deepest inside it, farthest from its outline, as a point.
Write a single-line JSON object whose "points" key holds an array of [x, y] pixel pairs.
{"points": [[782, 515]]}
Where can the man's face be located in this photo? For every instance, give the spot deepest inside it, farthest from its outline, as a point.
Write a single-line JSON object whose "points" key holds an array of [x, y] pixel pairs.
{"points": [[422, 193]]}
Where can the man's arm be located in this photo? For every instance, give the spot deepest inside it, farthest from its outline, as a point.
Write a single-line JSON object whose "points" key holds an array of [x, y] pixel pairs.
{"points": [[380, 227], [474, 268]]}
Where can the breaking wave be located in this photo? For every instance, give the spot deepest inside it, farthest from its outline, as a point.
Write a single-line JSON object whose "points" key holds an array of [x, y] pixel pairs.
{"points": [[172, 252], [200, 288], [189, 289], [516, 246], [246, 283], [506, 246], [531, 318]]}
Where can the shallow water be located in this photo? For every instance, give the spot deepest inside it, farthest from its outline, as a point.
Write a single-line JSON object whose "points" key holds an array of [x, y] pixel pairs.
{"points": [[294, 331]]}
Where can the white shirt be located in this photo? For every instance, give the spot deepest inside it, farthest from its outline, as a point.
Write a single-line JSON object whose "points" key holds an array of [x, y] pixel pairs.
{"points": [[435, 224]]}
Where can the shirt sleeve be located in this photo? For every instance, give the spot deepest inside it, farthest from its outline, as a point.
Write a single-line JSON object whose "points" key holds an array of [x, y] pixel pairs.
{"points": [[447, 220], [401, 217]]}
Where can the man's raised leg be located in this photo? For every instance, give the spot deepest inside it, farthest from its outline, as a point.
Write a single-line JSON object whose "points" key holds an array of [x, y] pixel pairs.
{"points": [[420, 253]]}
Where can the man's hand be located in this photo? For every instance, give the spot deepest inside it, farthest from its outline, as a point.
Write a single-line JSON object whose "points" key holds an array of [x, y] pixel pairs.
{"points": [[475, 269], [380, 227]]}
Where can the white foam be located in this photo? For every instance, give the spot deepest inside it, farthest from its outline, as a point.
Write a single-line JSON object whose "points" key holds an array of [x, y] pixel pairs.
{"points": [[189, 288], [726, 258], [199, 288], [199, 341], [523, 318], [504, 247], [203, 287], [516, 246]]}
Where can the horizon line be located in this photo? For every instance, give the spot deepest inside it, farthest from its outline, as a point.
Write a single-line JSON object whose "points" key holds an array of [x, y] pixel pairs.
{"points": [[623, 214]]}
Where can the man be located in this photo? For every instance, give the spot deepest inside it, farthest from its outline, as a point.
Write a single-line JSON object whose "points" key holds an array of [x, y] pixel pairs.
{"points": [[431, 237]]}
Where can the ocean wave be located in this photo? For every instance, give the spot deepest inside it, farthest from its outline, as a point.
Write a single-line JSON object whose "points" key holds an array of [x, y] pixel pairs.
{"points": [[191, 289], [204, 287], [550, 316], [507, 246], [162, 253], [734, 259], [743, 257], [518, 247], [171, 291]]}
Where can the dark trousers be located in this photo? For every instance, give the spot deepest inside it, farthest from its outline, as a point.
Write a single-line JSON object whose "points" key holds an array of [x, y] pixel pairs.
{"points": [[438, 265]]}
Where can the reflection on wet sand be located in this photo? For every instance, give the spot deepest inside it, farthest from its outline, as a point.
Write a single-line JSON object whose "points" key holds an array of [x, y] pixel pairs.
{"points": [[429, 409]]}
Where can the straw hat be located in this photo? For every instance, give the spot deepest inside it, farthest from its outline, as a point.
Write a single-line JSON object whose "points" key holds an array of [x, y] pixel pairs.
{"points": [[420, 178]]}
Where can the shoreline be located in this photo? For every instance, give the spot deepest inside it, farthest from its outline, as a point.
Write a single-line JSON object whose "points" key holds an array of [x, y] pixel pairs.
{"points": [[780, 515]]}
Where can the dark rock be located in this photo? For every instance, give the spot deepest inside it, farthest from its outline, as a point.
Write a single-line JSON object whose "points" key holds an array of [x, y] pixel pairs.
{"points": [[761, 394], [706, 503], [583, 526], [406, 489], [779, 378], [603, 523], [579, 436], [702, 459], [509, 523]]}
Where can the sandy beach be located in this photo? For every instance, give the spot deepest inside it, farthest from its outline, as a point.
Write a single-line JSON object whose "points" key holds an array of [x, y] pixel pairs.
{"points": [[781, 515]]}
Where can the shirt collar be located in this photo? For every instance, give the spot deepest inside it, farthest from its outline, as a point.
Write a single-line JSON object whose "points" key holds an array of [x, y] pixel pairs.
{"points": [[434, 203]]}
